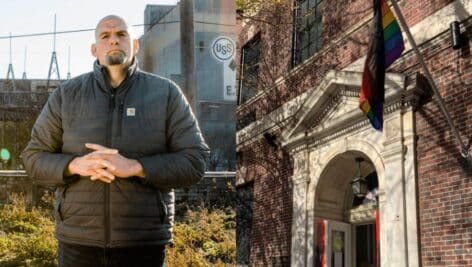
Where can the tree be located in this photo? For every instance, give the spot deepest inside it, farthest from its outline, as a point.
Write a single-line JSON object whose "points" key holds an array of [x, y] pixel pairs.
{"points": [[222, 154]]}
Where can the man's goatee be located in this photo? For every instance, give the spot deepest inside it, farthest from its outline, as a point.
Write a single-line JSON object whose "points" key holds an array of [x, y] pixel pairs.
{"points": [[115, 58]]}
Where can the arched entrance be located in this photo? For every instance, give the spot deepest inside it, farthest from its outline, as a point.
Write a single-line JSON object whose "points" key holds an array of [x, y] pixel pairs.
{"points": [[345, 224], [328, 133]]}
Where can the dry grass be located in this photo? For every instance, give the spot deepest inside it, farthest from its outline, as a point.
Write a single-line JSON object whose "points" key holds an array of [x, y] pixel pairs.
{"points": [[26, 238], [201, 238], [204, 238]]}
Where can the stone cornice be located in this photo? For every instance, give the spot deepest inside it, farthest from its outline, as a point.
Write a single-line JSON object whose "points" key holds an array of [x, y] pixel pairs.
{"points": [[308, 110], [273, 121], [333, 106], [353, 123], [362, 213]]}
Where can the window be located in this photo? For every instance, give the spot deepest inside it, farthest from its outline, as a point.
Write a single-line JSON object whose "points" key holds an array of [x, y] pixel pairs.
{"points": [[249, 69], [307, 32]]}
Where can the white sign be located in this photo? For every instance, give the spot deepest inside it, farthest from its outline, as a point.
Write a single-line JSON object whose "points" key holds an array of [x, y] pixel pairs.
{"points": [[229, 83], [223, 48]]}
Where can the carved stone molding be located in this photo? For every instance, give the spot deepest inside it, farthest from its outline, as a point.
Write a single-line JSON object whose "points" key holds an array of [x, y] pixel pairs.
{"points": [[242, 173], [362, 213], [301, 167]]}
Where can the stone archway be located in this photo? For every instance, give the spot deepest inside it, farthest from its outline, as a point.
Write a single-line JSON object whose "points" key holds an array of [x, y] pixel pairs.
{"points": [[337, 210], [329, 124], [397, 197], [331, 168], [333, 195]]}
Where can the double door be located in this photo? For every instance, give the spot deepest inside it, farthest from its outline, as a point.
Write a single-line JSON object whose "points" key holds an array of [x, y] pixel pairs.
{"points": [[341, 244]]}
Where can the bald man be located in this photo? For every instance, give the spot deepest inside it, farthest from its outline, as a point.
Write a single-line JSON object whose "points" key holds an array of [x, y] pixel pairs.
{"points": [[115, 142]]}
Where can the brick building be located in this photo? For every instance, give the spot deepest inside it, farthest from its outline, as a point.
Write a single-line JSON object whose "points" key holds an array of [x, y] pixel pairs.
{"points": [[301, 139]]}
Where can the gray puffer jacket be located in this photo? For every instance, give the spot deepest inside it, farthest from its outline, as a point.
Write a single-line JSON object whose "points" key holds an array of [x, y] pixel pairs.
{"points": [[146, 118]]}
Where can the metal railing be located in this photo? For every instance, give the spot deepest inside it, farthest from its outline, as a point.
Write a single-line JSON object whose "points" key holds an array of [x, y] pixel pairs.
{"points": [[13, 173], [22, 100], [22, 173]]}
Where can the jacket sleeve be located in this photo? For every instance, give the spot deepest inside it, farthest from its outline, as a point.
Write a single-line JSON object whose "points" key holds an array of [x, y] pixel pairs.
{"points": [[42, 156], [184, 165]]}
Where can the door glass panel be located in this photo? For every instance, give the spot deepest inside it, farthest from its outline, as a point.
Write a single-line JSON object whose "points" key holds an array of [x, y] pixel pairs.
{"points": [[337, 249]]}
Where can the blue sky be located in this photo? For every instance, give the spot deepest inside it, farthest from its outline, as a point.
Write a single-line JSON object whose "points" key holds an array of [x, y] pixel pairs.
{"points": [[29, 16]]}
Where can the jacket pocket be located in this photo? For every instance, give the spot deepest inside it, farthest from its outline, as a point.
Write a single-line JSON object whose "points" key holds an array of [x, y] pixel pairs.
{"points": [[60, 195], [162, 207]]}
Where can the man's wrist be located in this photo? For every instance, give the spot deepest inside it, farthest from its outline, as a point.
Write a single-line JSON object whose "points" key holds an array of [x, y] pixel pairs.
{"points": [[139, 170], [70, 175], [69, 169]]}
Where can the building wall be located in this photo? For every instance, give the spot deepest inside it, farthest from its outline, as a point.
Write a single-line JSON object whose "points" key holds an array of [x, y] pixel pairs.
{"points": [[160, 46], [160, 54], [267, 171], [344, 42], [443, 178]]}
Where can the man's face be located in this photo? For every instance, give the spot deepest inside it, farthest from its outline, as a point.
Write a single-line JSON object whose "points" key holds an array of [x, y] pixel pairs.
{"points": [[113, 44]]}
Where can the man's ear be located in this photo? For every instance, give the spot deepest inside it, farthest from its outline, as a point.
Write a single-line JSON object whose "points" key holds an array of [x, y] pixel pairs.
{"points": [[93, 50], [135, 46]]}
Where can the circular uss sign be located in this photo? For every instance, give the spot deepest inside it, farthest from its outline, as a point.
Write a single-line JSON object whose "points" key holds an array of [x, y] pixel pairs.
{"points": [[223, 48]]}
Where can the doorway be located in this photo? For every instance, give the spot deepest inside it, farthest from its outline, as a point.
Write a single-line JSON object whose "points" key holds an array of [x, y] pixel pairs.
{"points": [[365, 245], [345, 224], [339, 244]]}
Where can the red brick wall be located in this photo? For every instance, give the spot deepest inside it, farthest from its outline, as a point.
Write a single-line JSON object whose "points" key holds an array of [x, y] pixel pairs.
{"points": [[416, 11], [444, 180], [276, 43], [444, 177], [269, 169]]}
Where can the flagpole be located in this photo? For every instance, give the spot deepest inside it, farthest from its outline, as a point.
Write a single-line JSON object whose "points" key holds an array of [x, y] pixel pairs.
{"points": [[432, 84]]}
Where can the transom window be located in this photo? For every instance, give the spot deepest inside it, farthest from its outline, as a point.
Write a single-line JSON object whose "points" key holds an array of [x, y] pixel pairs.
{"points": [[307, 32], [249, 69]]}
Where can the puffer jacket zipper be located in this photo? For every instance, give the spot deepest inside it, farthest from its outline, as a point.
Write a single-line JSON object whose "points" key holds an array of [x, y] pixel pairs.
{"points": [[120, 116], [107, 186], [113, 94]]}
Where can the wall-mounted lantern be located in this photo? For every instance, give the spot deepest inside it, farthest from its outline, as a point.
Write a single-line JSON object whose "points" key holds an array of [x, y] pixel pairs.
{"points": [[456, 38], [359, 184]]}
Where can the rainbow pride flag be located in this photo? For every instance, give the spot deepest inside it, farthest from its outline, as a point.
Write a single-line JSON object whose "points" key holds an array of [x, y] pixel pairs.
{"points": [[385, 47]]}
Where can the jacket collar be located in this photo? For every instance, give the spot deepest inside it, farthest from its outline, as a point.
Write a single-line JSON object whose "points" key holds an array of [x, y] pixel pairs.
{"points": [[100, 74]]}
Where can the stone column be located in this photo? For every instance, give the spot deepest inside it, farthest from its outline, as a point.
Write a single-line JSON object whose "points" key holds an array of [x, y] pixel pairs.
{"points": [[410, 188], [392, 222], [299, 221]]}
